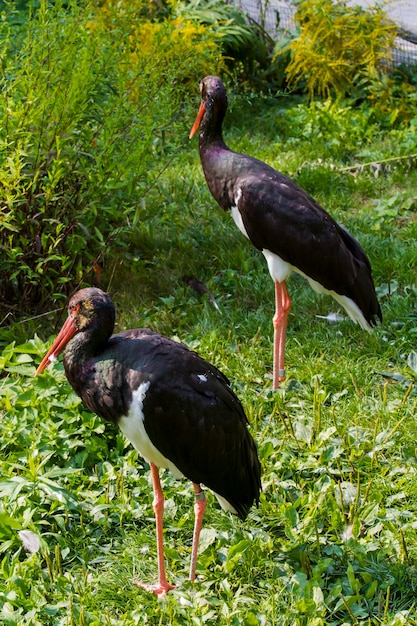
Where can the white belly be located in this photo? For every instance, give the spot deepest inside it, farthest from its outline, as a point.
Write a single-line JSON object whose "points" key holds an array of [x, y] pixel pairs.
{"points": [[237, 218], [280, 270], [132, 426]]}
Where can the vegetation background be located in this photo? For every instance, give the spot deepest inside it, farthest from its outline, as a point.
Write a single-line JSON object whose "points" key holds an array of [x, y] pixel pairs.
{"points": [[100, 185]]}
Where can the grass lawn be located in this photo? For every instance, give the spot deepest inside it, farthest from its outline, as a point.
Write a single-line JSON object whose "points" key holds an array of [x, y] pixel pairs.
{"points": [[334, 540]]}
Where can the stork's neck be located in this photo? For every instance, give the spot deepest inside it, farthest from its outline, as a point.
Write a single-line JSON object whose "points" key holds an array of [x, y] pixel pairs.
{"points": [[209, 139], [80, 351], [211, 130]]}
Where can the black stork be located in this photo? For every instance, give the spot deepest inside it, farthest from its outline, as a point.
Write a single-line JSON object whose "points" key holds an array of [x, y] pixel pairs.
{"points": [[176, 409], [283, 221]]}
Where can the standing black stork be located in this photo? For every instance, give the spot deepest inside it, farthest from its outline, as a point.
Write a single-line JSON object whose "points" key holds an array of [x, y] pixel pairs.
{"points": [[176, 409], [293, 232]]}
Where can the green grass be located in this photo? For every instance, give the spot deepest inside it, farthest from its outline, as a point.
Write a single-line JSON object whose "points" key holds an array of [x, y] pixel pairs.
{"points": [[334, 540]]}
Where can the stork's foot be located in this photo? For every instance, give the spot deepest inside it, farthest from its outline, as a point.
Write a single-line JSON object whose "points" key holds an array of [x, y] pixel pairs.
{"points": [[161, 588]]}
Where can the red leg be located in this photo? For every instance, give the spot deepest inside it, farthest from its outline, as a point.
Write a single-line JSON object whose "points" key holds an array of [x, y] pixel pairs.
{"points": [[199, 508], [162, 586], [282, 309]]}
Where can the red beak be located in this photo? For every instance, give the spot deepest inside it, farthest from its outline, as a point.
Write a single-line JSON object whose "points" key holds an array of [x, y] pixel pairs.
{"points": [[66, 333], [198, 119]]}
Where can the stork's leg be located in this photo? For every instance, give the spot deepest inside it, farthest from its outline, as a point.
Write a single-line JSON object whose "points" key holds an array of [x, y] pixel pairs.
{"points": [[162, 586], [282, 310], [199, 508]]}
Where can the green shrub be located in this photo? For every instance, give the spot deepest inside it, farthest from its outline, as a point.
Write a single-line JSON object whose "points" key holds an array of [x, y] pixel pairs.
{"points": [[338, 46], [247, 48], [90, 111]]}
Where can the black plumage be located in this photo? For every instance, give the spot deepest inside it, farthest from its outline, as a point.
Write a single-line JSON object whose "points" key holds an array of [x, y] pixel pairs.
{"points": [[283, 221], [193, 422]]}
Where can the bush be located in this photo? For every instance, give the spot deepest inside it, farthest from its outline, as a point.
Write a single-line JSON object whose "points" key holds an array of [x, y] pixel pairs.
{"points": [[90, 102], [247, 48], [338, 46]]}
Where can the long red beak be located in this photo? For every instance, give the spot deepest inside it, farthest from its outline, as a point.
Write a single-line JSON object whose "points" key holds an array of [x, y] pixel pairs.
{"points": [[198, 119], [66, 333]]}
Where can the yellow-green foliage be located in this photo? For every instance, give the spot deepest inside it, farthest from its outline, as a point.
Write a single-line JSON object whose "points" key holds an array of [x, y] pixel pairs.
{"points": [[91, 103], [156, 37], [338, 45]]}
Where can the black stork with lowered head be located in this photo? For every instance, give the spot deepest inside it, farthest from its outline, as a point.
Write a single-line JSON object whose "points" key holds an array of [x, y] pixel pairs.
{"points": [[283, 221], [176, 409]]}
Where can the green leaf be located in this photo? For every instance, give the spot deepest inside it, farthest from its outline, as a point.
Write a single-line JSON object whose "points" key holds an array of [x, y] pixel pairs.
{"points": [[7, 525], [238, 549], [207, 537], [412, 361]]}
